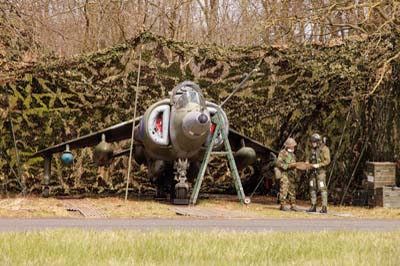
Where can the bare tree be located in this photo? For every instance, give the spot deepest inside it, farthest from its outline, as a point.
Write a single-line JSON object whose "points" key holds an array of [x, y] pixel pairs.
{"points": [[73, 26]]}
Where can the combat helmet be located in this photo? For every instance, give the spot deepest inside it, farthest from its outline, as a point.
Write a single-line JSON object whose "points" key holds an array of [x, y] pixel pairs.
{"points": [[316, 138], [290, 142]]}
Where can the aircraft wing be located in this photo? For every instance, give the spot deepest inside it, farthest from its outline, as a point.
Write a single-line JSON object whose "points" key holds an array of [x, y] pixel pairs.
{"points": [[235, 139], [114, 133]]}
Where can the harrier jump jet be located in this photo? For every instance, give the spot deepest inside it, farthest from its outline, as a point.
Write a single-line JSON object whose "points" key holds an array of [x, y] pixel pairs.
{"points": [[171, 137]]}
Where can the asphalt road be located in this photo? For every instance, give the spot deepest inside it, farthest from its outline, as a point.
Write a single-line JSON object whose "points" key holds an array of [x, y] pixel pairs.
{"points": [[278, 224]]}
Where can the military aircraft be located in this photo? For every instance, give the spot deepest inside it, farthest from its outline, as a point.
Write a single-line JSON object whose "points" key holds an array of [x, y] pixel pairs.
{"points": [[171, 137]]}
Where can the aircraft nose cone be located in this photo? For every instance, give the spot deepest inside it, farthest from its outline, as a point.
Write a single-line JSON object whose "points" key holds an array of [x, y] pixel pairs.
{"points": [[202, 119], [196, 124]]}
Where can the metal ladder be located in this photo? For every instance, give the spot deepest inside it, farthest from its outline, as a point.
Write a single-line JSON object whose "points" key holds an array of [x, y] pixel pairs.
{"points": [[228, 152]]}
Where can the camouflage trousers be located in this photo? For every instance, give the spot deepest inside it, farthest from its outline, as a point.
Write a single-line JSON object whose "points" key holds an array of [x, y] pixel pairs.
{"points": [[287, 189], [318, 182]]}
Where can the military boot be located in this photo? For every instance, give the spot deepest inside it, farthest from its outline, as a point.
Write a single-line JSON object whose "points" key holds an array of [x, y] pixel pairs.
{"points": [[324, 209], [313, 208], [284, 208], [294, 208]]}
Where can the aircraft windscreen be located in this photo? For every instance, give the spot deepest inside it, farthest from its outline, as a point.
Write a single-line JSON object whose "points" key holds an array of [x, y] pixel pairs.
{"points": [[182, 101], [188, 97], [187, 93], [194, 97]]}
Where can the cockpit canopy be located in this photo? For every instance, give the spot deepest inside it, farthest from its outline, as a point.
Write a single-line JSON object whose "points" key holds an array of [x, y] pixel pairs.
{"points": [[185, 93]]}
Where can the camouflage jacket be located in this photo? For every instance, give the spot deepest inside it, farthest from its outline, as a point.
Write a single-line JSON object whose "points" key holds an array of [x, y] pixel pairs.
{"points": [[284, 159], [320, 155]]}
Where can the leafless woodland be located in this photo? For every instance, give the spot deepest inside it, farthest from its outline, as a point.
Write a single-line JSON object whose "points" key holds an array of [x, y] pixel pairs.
{"points": [[69, 27]]}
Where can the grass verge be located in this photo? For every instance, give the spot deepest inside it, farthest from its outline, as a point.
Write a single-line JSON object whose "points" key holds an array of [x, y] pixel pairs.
{"points": [[78, 247]]}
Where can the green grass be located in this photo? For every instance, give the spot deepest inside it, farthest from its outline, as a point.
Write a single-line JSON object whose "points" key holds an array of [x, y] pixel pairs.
{"points": [[78, 247]]}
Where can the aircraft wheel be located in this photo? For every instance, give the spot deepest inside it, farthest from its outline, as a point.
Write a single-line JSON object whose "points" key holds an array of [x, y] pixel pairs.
{"points": [[247, 200], [46, 192]]}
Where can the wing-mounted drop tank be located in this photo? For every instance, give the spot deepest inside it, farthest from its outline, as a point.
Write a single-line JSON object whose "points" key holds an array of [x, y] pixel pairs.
{"points": [[103, 152], [245, 156]]}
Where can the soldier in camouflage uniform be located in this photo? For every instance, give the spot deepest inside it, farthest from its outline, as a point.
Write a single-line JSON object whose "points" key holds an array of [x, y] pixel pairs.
{"points": [[287, 175], [319, 158]]}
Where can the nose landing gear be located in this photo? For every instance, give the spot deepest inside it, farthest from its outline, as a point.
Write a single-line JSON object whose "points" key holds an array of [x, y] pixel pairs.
{"points": [[182, 187]]}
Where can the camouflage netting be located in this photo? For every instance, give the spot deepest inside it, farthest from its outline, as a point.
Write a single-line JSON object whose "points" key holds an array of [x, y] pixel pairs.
{"points": [[297, 90]]}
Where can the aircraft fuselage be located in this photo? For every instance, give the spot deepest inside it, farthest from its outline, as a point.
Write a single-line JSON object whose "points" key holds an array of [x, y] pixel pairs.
{"points": [[177, 127]]}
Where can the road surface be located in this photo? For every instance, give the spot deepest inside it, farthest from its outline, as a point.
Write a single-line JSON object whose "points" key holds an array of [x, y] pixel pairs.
{"points": [[255, 225]]}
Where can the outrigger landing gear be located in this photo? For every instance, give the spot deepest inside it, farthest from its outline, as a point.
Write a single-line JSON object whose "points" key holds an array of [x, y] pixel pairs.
{"points": [[47, 169], [182, 187]]}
